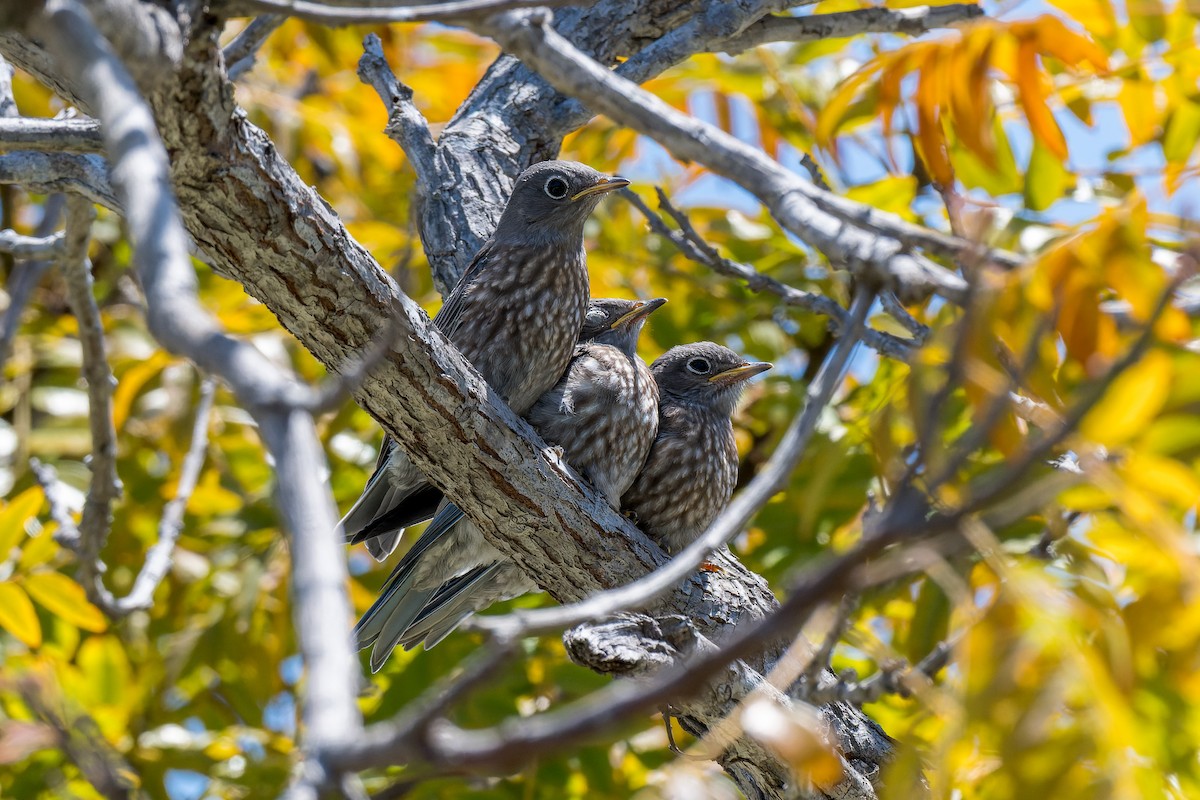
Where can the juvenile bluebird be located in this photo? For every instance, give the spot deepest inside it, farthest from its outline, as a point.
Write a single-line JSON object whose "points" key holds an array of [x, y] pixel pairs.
{"points": [[693, 465], [603, 413], [515, 314]]}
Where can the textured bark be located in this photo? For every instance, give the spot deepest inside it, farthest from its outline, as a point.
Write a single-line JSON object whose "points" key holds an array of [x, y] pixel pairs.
{"points": [[257, 220]]}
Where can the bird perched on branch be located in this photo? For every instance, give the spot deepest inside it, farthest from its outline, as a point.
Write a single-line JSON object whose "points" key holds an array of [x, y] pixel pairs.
{"points": [[603, 413], [515, 314], [692, 468]]}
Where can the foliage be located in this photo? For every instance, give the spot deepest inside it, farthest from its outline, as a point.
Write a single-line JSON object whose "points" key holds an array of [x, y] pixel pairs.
{"points": [[1069, 137]]}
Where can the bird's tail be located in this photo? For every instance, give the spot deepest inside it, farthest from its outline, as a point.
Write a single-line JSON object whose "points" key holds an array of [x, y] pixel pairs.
{"points": [[455, 600], [400, 602]]}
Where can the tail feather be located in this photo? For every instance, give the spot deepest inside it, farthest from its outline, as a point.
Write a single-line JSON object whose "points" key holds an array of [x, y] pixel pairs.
{"points": [[400, 601], [455, 600]]}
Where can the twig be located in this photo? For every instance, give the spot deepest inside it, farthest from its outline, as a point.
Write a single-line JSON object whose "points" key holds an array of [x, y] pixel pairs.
{"points": [[892, 305], [158, 558], [728, 524], [52, 487], [105, 486], [452, 10], [692, 245], [50, 135], [896, 677], [30, 246], [821, 658], [913, 21], [240, 54]]}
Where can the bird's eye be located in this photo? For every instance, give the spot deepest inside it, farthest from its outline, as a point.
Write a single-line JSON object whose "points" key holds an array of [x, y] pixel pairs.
{"points": [[699, 366], [556, 188]]}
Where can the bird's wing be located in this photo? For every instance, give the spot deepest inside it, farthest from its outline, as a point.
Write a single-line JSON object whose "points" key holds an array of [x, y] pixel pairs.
{"points": [[451, 314]]}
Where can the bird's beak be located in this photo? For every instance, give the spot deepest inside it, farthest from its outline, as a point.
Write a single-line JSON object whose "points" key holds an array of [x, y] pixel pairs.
{"points": [[742, 372], [643, 309], [602, 186]]}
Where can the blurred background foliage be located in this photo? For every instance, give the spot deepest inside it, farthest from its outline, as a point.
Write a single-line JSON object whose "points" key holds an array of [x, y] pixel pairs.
{"points": [[1065, 131]]}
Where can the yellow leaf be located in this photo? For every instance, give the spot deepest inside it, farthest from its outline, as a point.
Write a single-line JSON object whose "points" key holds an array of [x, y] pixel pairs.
{"points": [[66, 599], [1138, 101], [1133, 400], [17, 615], [131, 382], [105, 668], [1163, 477], [1096, 16], [38, 550], [14, 515]]}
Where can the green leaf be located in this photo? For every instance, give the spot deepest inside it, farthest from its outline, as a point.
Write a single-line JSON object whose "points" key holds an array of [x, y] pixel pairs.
{"points": [[1046, 179]]}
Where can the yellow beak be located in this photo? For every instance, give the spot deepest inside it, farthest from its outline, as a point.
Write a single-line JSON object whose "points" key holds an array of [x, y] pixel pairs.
{"points": [[742, 372], [601, 186], [644, 308]]}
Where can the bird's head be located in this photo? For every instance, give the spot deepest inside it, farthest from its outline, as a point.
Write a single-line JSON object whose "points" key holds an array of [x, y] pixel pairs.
{"points": [[552, 200], [617, 322], [705, 374]]}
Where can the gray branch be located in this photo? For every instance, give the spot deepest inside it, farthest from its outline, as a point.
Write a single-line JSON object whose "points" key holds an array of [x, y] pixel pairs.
{"points": [[21, 246], [50, 135], [874, 246], [911, 21], [140, 178], [89, 538], [692, 245], [447, 11], [242, 52], [85, 175]]}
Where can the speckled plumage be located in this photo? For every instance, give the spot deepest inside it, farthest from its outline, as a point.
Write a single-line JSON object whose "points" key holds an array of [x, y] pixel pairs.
{"points": [[515, 314], [603, 413], [692, 468]]}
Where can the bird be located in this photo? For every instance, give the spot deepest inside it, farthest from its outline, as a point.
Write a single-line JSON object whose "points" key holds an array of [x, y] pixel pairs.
{"points": [[515, 314], [692, 467], [602, 413]]}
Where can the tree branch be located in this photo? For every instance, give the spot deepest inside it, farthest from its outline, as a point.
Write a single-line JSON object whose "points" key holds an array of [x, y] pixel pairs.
{"points": [[873, 246], [912, 21], [692, 245], [48, 173], [30, 246], [50, 135], [242, 52]]}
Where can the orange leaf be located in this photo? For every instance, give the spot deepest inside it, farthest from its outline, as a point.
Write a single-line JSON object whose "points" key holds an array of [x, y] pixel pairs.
{"points": [[1032, 93]]}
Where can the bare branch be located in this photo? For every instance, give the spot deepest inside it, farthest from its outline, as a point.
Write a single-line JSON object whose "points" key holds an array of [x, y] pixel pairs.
{"points": [[242, 52], [30, 246], [8, 105], [692, 245], [449, 11], [179, 322], [158, 558], [406, 124], [25, 277], [727, 525], [50, 135], [105, 485], [86, 175], [893, 306], [912, 21], [873, 246]]}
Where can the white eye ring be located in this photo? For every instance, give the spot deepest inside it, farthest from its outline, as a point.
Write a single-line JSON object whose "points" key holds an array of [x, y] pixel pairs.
{"points": [[699, 366], [558, 183]]}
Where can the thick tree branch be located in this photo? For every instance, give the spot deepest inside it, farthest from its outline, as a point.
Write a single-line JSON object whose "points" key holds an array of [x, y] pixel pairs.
{"points": [[912, 21], [444, 11]]}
